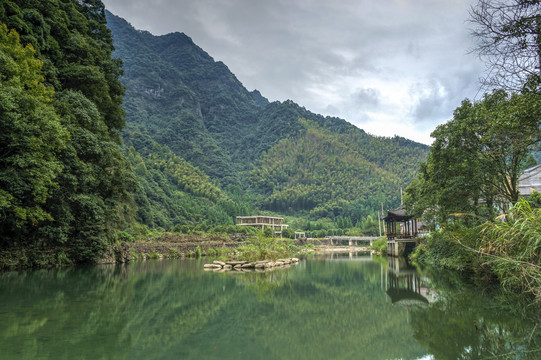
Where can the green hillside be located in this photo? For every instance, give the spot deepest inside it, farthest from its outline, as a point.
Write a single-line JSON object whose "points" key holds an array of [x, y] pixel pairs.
{"points": [[330, 174], [172, 192]]}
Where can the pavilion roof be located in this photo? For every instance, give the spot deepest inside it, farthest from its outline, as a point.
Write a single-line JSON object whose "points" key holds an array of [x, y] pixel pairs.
{"points": [[399, 214]]}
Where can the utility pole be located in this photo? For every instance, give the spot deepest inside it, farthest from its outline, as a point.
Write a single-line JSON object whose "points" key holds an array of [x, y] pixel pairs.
{"points": [[379, 224]]}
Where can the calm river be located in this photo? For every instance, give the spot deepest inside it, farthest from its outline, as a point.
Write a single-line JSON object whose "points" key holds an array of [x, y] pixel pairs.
{"points": [[328, 307]]}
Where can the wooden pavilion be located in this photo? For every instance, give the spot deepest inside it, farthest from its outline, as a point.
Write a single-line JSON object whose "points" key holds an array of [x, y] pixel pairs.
{"points": [[401, 230]]}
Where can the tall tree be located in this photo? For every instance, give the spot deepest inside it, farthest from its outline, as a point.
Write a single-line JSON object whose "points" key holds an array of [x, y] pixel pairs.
{"points": [[508, 34]]}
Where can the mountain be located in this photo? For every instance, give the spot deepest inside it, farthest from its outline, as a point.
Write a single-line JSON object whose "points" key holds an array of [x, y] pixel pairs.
{"points": [[289, 159], [182, 98]]}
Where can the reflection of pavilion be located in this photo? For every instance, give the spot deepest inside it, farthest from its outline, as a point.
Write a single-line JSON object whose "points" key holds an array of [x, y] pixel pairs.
{"points": [[404, 286]]}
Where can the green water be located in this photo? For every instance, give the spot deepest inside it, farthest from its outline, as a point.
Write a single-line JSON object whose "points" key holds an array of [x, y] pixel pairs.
{"points": [[329, 307]]}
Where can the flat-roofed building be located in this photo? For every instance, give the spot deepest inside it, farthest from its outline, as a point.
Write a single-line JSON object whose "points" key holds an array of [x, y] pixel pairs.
{"points": [[274, 223]]}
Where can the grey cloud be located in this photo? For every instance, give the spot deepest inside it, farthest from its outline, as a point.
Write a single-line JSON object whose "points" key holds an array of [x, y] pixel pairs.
{"points": [[439, 96], [287, 48], [367, 98]]}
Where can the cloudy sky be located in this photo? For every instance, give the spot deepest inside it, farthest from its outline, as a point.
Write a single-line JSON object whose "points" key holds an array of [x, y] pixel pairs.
{"points": [[388, 66]]}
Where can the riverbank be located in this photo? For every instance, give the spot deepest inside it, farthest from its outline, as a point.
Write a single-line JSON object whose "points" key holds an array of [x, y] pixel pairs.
{"points": [[175, 246], [165, 246], [506, 253]]}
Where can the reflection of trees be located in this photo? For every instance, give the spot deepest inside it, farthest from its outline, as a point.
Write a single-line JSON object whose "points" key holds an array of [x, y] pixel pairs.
{"points": [[467, 324], [103, 312], [328, 310]]}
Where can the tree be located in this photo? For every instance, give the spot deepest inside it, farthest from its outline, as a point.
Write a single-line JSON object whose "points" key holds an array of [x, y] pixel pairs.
{"points": [[511, 130], [31, 136], [508, 34], [478, 156]]}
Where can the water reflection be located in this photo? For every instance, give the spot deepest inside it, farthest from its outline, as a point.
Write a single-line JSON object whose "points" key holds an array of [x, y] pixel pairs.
{"points": [[405, 286], [452, 319], [334, 306]]}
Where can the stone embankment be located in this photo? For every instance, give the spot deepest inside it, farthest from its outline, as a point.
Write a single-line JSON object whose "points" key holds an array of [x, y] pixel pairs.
{"points": [[247, 266]]}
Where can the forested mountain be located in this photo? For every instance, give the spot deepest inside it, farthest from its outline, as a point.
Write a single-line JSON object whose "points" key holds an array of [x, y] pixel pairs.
{"points": [[182, 98], [290, 158], [172, 192]]}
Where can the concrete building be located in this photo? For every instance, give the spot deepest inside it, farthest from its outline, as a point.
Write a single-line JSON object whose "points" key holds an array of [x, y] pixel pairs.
{"points": [[275, 223]]}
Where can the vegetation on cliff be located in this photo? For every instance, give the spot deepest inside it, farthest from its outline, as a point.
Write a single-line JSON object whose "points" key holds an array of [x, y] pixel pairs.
{"points": [[65, 182]]}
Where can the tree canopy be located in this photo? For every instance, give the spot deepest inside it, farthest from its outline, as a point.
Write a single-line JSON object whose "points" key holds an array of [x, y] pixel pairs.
{"points": [[64, 177], [31, 136]]}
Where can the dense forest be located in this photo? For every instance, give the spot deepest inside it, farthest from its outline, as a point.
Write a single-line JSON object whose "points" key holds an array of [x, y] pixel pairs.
{"points": [[109, 133], [63, 178]]}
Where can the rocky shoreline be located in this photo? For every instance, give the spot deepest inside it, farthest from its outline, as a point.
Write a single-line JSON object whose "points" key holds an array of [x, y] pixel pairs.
{"points": [[248, 266]]}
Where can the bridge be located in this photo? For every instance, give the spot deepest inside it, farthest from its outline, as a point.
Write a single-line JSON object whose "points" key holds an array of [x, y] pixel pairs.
{"points": [[336, 240]]}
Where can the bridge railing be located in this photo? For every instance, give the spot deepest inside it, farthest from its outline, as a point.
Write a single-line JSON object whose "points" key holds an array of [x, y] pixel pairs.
{"points": [[352, 239]]}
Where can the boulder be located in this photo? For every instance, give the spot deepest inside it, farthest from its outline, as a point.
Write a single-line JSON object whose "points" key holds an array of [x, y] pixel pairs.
{"points": [[212, 266], [233, 263], [218, 262]]}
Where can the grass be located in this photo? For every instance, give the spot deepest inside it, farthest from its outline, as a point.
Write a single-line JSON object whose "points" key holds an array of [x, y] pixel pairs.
{"points": [[511, 246], [266, 248]]}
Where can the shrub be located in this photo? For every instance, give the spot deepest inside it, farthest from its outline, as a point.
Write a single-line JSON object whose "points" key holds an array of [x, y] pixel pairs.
{"points": [[449, 248], [266, 248], [380, 245], [183, 229]]}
